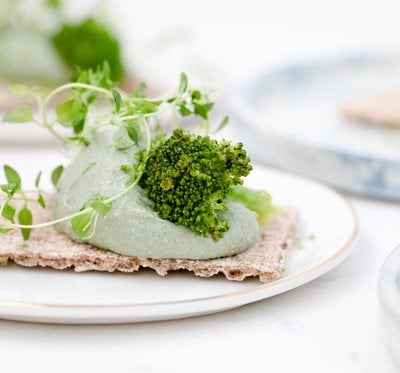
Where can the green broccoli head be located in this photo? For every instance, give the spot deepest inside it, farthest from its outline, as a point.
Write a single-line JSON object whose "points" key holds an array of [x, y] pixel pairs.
{"points": [[187, 177], [88, 45]]}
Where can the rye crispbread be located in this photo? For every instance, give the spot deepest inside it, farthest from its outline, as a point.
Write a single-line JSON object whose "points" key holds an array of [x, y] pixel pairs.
{"points": [[380, 110], [49, 248]]}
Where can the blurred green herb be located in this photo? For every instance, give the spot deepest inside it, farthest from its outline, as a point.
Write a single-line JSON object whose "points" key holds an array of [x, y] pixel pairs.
{"points": [[89, 44], [19, 115], [56, 174], [86, 44]]}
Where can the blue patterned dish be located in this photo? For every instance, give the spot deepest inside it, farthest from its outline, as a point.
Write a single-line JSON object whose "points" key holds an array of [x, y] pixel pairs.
{"points": [[291, 119]]}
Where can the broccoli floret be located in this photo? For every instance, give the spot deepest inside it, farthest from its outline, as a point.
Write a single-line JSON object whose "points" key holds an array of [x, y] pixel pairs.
{"points": [[258, 201], [88, 45], [187, 177]]}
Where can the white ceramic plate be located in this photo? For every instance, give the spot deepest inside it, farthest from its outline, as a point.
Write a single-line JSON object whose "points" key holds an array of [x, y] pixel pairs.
{"points": [[293, 119], [44, 295]]}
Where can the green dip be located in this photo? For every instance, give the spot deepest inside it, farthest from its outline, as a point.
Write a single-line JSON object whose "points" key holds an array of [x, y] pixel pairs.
{"points": [[132, 227]]}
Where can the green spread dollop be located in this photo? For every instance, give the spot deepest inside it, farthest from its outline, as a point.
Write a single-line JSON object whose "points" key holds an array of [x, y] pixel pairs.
{"points": [[132, 227]]}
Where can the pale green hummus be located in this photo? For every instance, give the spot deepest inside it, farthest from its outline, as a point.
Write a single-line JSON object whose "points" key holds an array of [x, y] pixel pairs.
{"points": [[132, 227]]}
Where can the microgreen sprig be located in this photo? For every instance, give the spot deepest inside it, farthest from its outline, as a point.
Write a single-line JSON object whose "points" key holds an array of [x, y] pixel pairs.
{"points": [[16, 204], [83, 92], [75, 118]]}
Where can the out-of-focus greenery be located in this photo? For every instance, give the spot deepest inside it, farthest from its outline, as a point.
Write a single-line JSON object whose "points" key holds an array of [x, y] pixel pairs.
{"points": [[88, 45], [39, 43]]}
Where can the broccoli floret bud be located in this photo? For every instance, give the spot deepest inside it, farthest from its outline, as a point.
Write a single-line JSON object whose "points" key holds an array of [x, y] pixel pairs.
{"points": [[187, 177]]}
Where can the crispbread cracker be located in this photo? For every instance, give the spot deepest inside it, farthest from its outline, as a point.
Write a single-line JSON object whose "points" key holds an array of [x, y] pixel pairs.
{"points": [[380, 110], [49, 248]]}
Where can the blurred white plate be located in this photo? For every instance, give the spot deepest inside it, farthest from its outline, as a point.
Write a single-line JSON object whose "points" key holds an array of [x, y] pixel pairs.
{"points": [[292, 118], [45, 295]]}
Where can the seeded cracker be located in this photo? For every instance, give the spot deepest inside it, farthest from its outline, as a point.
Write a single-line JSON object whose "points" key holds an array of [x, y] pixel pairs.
{"points": [[49, 248]]}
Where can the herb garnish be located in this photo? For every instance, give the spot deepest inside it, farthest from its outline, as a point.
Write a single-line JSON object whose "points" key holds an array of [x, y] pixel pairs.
{"points": [[133, 112]]}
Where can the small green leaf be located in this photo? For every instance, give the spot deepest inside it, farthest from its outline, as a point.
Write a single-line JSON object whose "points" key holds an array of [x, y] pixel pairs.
{"points": [[202, 110], [12, 176], [20, 89], [81, 224], [25, 218], [10, 189], [128, 169], [196, 95], [37, 180], [183, 84], [117, 99], [132, 133], [145, 107], [72, 113], [6, 230], [64, 112], [41, 201], [19, 115], [131, 130], [79, 122], [92, 97], [223, 124], [183, 110], [8, 211], [56, 174], [101, 207]]}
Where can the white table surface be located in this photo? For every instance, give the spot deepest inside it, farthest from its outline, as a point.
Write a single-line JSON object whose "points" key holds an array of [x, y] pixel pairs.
{"points": [[332, 324]]}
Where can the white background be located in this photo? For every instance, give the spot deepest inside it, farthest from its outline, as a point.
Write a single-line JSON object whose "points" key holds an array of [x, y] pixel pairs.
{"points": [[330, 325]]}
